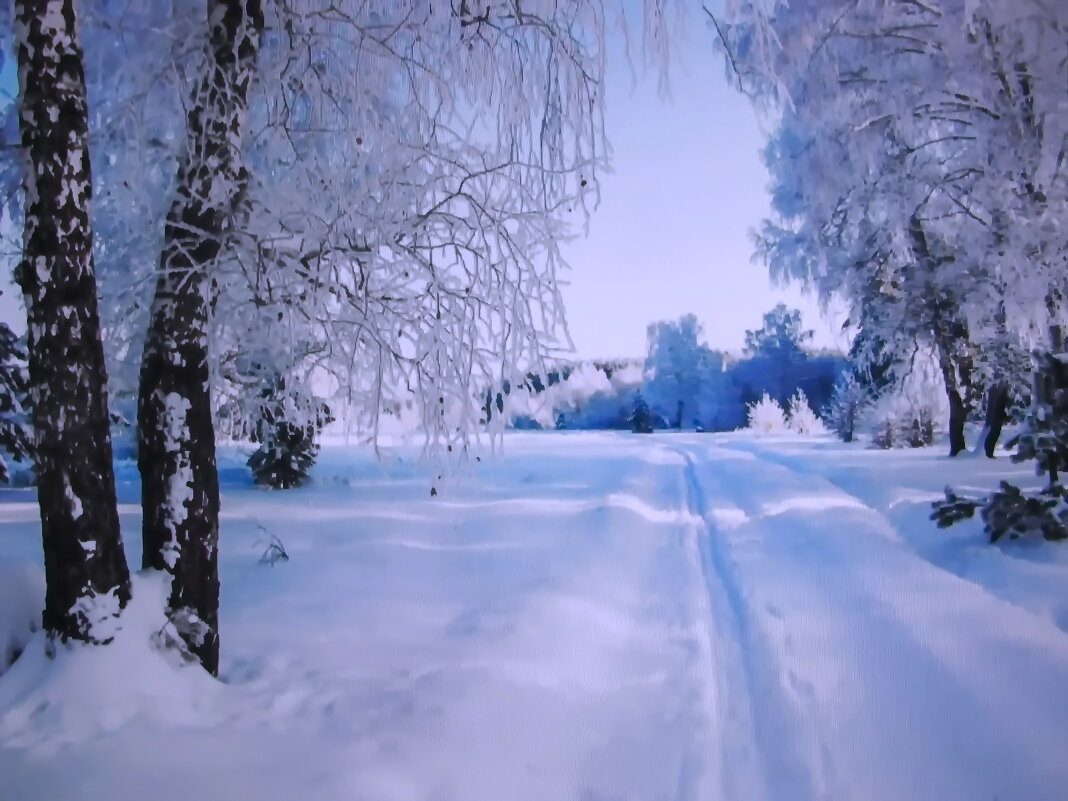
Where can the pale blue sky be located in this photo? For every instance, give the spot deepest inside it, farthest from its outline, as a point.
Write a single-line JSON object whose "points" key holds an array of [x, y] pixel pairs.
{"points": [[671, 235]]}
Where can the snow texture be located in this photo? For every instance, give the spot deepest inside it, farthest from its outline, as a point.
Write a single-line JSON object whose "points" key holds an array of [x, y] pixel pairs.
{"points": [[591, 616]]}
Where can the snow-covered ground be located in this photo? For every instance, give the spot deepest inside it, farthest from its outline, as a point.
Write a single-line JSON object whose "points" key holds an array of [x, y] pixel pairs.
{"points": [[595, 617]]}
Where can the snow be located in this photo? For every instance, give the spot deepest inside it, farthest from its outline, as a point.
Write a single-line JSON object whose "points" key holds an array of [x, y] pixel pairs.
{"points": [[588, 616], [21, 598]]}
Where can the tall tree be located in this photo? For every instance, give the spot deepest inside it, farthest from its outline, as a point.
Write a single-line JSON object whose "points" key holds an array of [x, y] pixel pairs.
{"points": [[87, 579], [680, 370], [919, 159], [176, 439]]}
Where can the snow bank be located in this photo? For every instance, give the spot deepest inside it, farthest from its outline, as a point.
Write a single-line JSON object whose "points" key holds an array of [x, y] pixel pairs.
{"points": [[63, 694]]}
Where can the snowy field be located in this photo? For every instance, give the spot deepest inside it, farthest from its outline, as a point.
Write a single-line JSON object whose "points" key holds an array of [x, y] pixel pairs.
{"points": [[591, 617]]}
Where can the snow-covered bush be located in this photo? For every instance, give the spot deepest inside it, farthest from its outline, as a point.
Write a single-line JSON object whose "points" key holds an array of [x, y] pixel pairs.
{"points": [[802, 420], [842, 413], [285, 457], [588, 395], [911, 428], [287, 449], [767, 417], [904, 415]]}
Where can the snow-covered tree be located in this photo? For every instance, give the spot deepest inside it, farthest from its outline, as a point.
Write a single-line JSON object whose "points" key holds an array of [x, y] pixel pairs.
{"points": [[766, 416], [914, 147], [801, 419], [846, 405], [287, 449], [679, 369], [781, 334], [87, 579], [378, 189], [176, 434]]}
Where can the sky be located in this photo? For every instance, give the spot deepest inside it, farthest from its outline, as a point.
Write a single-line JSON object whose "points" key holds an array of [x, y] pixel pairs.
{"points": [[671, 235]]}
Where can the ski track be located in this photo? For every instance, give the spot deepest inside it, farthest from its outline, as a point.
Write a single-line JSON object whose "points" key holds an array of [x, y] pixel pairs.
{"points": [[872, 673], [747, 710]]}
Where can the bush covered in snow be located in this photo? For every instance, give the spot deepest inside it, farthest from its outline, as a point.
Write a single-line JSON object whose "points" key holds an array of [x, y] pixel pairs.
{"points": [[767, 417], [897, 423], [843, 411], [288, 448], [801, 418]]}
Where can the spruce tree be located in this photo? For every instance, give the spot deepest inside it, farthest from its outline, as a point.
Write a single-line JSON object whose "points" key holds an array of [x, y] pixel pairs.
{"points": [[287, 445]]}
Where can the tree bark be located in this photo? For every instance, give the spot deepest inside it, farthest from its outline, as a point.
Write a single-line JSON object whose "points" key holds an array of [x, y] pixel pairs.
{"points": [[997, 407], [86, 575], [954, 376], [176, 435], [958, 414]]}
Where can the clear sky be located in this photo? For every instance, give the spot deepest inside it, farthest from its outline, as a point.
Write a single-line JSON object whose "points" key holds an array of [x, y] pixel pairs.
{"points": [[671, 235]]}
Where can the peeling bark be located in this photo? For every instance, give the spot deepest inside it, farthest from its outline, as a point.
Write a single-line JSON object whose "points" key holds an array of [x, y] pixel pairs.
{"points": [[87, 578]]}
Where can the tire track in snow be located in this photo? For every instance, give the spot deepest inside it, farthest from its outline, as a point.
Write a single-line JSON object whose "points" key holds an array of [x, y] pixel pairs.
{"points": [[749, 714]]}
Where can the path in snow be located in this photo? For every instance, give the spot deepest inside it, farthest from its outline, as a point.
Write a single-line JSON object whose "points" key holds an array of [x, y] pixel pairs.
{"points": [[873, 673], [595, 618]]}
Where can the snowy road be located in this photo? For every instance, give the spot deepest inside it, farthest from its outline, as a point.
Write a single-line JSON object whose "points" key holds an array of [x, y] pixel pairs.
{"points": [[597, 618]]}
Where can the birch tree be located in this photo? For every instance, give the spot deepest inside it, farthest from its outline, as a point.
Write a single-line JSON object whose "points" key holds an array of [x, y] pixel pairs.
{"points": [[87, 579], [176, 435]]}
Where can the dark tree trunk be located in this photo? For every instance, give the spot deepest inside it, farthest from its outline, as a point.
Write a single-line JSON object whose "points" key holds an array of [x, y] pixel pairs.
{"points": [[87, 579], [958, 415], [997, 409], [955, 379], [176, 435]]}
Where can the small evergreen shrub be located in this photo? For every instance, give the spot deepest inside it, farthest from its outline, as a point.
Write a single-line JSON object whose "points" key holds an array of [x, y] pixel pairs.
{"points": [[801, 418], [287, 450], [766, 416]]}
